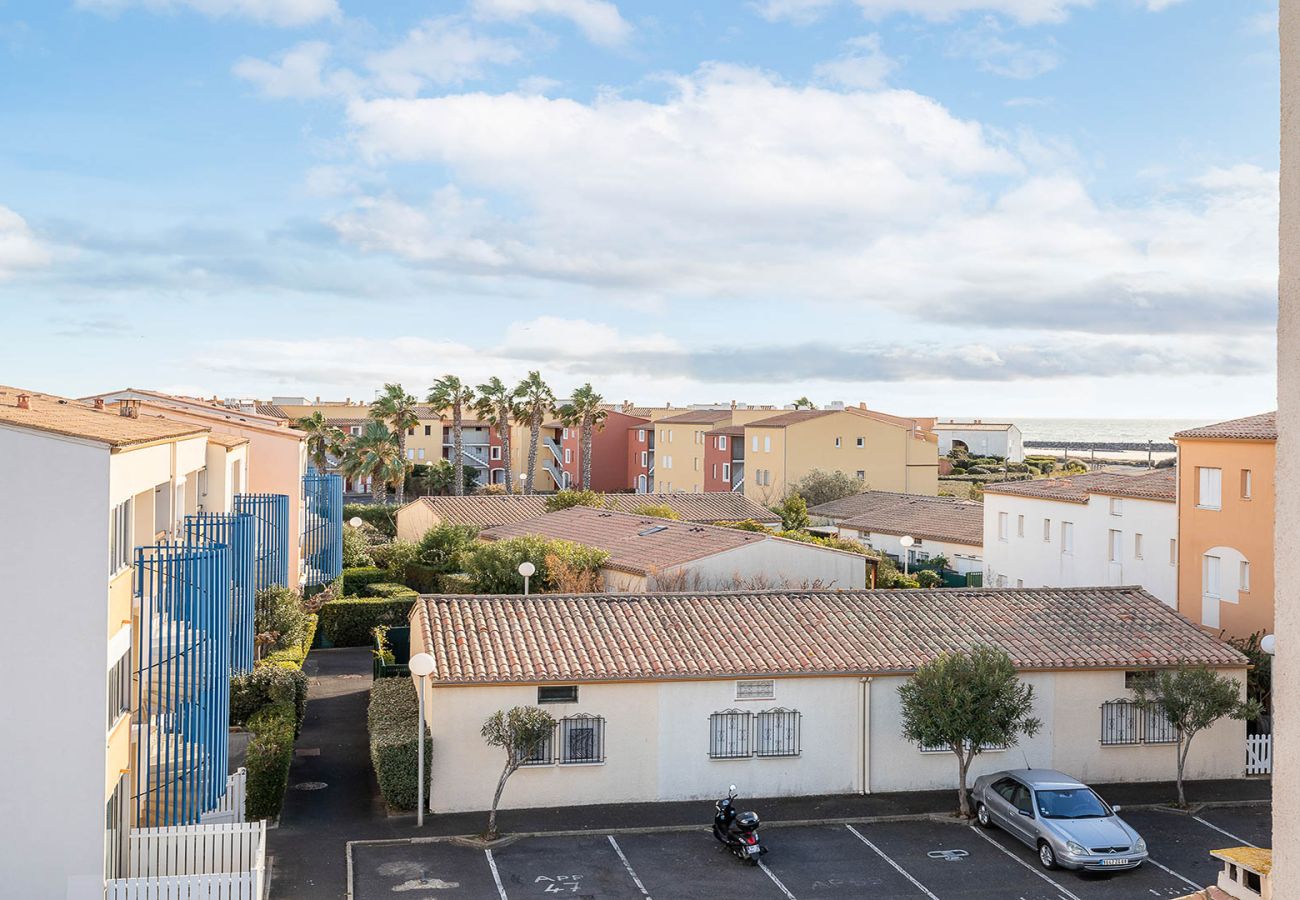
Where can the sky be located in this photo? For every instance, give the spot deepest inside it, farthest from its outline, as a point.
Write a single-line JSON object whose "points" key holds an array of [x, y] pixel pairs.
{"points": [[937, 207]]}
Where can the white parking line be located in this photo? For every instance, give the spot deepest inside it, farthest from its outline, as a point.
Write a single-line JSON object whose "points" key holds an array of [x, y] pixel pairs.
{"points": [[1221, 831], [1175, 874], [776, 881], [627, 865], [899, 869], [1059, 887], [496, 876]]}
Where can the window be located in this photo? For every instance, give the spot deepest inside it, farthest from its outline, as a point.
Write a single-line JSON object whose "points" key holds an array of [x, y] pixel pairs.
{"points": [[568, 455], [862, 442], [119, 689], [1245, 484], [697, 463], [767, 444], [1115, 550], [722, 442], [1020, 526], [410, 453], [668, 462], [1173, 551], [493, 453], [419, 454], [582, 740], [641, 483], [1137, 545], [1067, 537], [729, 735], [699, 437], [1210, 576], [1244, 579], [837, 443], [640, 435], [1209, 488], [428, 430], [726, 472], [1116, 506], [410, 432], [119, 537], [1157, 728], [202, 483], [1252, 881], [1003, 523], [670, 435], [560, 693], [756, 689], [543, 753], [1047, 530], [645, 459], [117, 828], [778, 732], [755, 443], [355, 429], [564, 434], [1119, 723]]}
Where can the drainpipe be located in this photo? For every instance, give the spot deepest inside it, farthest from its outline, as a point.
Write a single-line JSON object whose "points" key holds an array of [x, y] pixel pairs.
{"points": [[864, 735]]}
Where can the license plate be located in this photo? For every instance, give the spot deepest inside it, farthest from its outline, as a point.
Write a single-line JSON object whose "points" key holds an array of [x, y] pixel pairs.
{"points": [[1114, 862], [754, 850]]}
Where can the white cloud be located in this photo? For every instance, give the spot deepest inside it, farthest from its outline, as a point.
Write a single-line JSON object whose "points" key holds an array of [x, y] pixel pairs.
{"points": [[1024, 11], [801, 12], [19, 248], [441, 51], [992, 52], [1160, 5], [286, 13], [297, 73], [599, 20], [863, 65]]}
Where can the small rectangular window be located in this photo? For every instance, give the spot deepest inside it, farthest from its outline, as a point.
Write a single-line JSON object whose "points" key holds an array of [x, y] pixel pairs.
{"points": [[559, 693], [582, 740], [755, 439], [1115, 547], [722, 442], [756, 689], [1047, 530], [862, 442], [428, 430], [1209, 488], [837, 442], [767, 444], [1116, 506], [777, 733], [726, 472], [697, 463], [1020, 526], [568, 455], [860, 474], [645, 459], [1245, 484], [495, 452], [1119, 723], [640, 435], [119, 689], [1173, 551], [1137, 545], [410, 432], [1067, 537], [543, 752], [1245, 576], [1003, 520], [729, 735]]}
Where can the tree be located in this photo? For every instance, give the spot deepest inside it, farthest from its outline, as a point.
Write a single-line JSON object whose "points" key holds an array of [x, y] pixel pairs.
{"points": [[495, 405], [967, 702], [1191, 699], [566, 499], [534, 401], [658, 511], [450, 391], [804, 403], [793, 512], [928, 578], [396, 409], [585, 410], [518, 731], [323, 439], [373, 454], [818, 487]]}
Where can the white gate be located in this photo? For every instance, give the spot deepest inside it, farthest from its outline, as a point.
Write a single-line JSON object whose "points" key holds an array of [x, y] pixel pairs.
{"points": [[1259, 754], [193, 862]]}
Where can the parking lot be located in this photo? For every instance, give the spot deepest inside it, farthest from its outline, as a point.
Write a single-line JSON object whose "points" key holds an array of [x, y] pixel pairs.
{"points": [[910, 859]]}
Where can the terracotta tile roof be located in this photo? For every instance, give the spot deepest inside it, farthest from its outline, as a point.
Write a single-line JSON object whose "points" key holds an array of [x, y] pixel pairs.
{"points": [[60, 415], [1262, 427], [205, 404], [697, 417], [733, 430], [972, 426], [602, 637], [927, 518], [791, 417], [641, 545], [491, 510], [228, 441], [1154, 484], [270, 409]]}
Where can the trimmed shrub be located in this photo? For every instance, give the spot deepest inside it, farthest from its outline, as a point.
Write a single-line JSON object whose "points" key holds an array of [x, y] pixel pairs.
{"points": [[990, 478], [493, 567], [294, 656], [356, 549], [270, 752], [393, 719], [444, 548], [389, 590], [422, 579], [377, 515], [928, 578], [455, 583], [348, 621], [355, 579], [569, 498], [267, 685], [658, 510], [279, 613]]}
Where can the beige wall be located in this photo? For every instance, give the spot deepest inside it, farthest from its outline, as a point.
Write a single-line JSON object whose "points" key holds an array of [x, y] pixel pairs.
{"points": [[413, 520]]}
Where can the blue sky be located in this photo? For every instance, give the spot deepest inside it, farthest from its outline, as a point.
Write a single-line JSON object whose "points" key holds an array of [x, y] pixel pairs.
{"points": [[953, 207]]}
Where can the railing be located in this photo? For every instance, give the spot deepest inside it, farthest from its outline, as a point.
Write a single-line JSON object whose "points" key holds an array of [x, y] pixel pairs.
{"points": [[554, 446], [322, 527], [230, 808], [194, 862], [554, 471], [236, 530], [271, 512], [1259, 754]]}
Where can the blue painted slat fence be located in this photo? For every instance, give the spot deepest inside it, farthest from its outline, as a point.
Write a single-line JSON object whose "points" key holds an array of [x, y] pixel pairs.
{"points": [[182, 702], [237, 531], [271, 515], [322, 532]]}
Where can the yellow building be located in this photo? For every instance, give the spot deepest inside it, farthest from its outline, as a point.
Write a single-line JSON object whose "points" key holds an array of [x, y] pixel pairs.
{"points": [[885, 453]]}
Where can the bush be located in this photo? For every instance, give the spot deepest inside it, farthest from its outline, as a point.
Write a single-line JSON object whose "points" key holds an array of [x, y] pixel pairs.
{"points": [[928, 578], [389, 590], [569, 498], [658, 511], [456, 583], [279, 616], [270, 752], [356, 549], [267, 686], [793, 512], [355, 579], [422, 579], [377, 515], [294, 655], [493, 567], [445, 547], [819, 487], [393, 719], [348, 621]]}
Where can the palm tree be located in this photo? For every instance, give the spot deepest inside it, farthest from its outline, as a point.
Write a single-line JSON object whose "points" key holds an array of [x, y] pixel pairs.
{"points": [[396, 408], [323, 439], [804, 403], [374, 454], [585, 410], [533, 403], [451, 391], [494, 405]]}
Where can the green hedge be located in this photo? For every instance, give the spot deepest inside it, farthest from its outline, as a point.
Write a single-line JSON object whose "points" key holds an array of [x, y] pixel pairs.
{"points": [[991, 478], [270, 752], [389, 590], [355, 579], [422, 578], [393, 720], [377, 515], [294, 656], [267, 686], [456, 584], [311, 590], [347, 621]]}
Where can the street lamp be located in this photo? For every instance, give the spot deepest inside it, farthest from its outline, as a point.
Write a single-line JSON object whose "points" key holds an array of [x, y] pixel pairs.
{"points": [[355, 522], [907, 541], [421, 665], [528, 570], [1268, 643]]}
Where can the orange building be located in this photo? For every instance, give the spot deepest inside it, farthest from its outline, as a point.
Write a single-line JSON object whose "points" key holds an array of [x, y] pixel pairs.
{"points": [[1225, 524]]}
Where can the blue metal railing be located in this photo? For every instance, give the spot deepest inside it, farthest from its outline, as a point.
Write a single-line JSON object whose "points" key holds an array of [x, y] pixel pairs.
{"points": [[182, 690], [236, 530], [271, 515], [322, 527]]}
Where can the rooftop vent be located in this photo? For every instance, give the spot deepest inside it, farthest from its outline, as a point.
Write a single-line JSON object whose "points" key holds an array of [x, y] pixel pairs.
{"points": [[129, 409], [99, 403], [24, 401], [654, 529]]}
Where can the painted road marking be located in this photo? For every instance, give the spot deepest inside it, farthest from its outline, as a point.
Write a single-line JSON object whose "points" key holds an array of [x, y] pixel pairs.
{"points": [[1053, 883], [627, 865], [1175, 874], [899, 869], [776, 881], [1228, 833], [496, 876]]}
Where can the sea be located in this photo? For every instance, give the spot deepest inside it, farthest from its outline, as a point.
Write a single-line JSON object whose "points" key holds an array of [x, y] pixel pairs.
{"points": [[1123, 431]]}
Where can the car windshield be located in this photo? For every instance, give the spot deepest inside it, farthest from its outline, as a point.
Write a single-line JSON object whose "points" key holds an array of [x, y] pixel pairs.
{"points": [[1071, 803]]}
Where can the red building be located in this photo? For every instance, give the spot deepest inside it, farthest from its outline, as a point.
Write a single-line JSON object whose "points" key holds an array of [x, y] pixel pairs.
{"points": [[724, 458], [610, 468], [640, 450]]}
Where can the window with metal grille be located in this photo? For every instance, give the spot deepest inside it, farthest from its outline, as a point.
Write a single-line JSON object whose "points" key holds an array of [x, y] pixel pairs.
{"points": [[119, 537], [1119, 723], [729, 734], [1156, 728], [756, 689], [777, 732], [117, 828], [543, 752], [119, 689], [582, 740], [558, 693]]}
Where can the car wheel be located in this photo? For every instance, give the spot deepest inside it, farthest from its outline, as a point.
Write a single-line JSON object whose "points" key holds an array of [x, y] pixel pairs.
{"points": [[1046, 856], [982, 816]]}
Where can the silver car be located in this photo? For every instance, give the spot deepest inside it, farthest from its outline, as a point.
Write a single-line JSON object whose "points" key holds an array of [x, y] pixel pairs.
{"points": [[1065, 821]]}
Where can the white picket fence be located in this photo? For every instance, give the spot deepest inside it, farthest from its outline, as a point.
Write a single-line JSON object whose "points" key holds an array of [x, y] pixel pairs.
{"points": [[194, 862], [230, 809], [1259, 754]]}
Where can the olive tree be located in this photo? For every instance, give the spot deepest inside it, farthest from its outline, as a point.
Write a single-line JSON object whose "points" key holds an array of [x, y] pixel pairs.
{"points": [[518, 731], [967, 702]]}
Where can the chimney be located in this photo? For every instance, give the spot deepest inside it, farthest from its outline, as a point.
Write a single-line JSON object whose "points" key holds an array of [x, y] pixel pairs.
{"points": [[733, 405], [99, 403], [24, 401], [318, 399], [129, 409], [349, 401]]}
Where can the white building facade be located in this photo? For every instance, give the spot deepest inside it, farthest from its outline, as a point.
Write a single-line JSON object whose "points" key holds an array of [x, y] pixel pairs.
{"points": [[1000, 439], [962, 558]]}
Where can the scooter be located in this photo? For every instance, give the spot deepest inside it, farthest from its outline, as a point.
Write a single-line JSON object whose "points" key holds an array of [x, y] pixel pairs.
{"points": [[738, 832]]}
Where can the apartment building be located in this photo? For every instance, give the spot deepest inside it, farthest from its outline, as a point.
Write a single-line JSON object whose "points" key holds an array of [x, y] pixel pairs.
{"points": [[1225, 524], [886, 453], [611, 463], [980, 438], [679, 449], [1096, 529], [724, 459]]}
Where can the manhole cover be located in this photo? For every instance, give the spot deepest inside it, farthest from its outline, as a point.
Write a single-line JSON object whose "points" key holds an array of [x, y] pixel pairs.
{"points": [[353, 676], [310, 786]]}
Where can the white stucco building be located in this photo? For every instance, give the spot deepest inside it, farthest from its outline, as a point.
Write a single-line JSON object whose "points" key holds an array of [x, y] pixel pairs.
{"points": [[664, 697], [979, 438], [938, 526], [1095, 529]]}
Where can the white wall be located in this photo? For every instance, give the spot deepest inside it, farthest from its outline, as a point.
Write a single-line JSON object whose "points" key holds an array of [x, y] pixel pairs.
{"points": [[1007, 444], [1040, 563], [782, 563], [962, 558], [53, 662]]}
